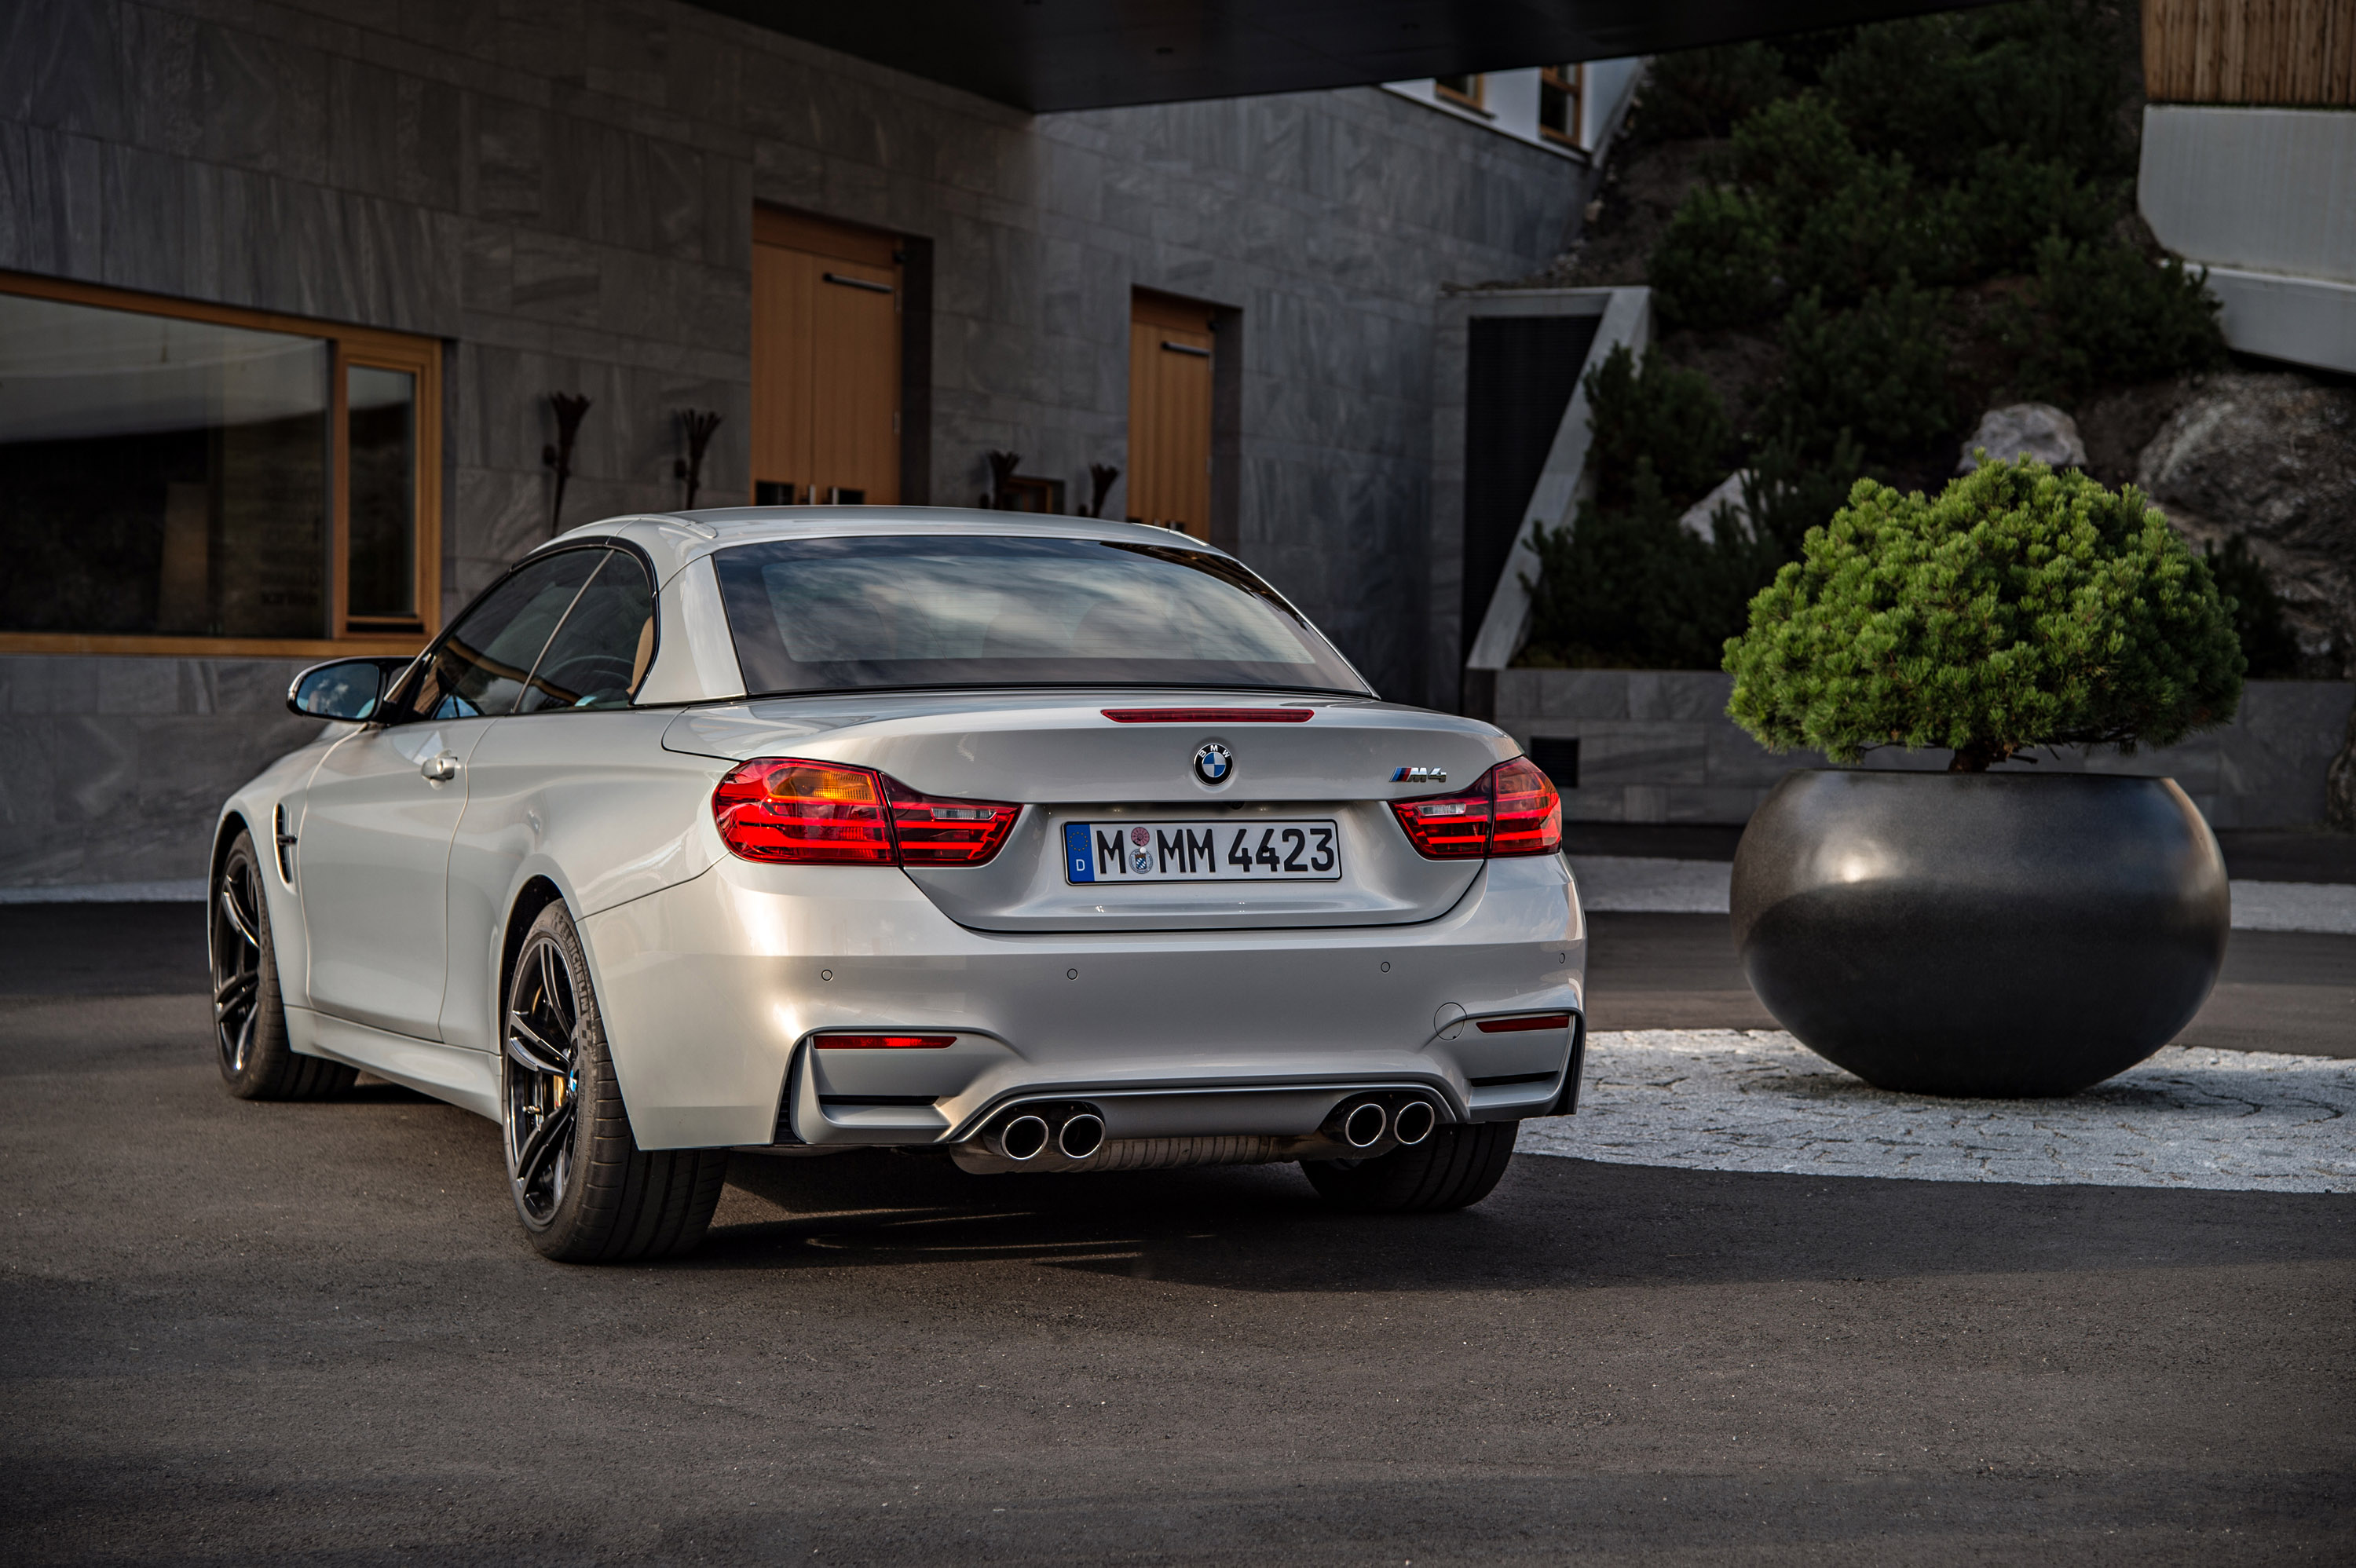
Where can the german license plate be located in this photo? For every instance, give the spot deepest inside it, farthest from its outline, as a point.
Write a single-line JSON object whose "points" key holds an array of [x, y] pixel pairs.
{"points": [[1261, 851]]}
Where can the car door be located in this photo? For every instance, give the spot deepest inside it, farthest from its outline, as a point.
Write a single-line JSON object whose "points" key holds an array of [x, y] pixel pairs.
{"points": [[381, 811], [573, 776]]}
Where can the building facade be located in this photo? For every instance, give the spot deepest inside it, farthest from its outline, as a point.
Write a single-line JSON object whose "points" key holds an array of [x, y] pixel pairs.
{"points": [[298, 305]]}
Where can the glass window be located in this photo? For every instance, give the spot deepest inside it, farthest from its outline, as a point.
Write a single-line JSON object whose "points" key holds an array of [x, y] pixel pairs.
{"points": [[160, 476], [380, 446], [479, 667], [601, 653], [836, 614], [1559, 95], [1464, 89], [172, 470]]}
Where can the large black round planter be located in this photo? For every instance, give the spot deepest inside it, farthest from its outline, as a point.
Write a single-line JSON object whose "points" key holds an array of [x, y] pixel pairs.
{"points": [[2002, 934]]}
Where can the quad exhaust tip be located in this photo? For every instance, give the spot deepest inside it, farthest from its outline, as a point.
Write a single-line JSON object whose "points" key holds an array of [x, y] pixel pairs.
{"points": [[1081, 1134], [1414, 1122], [1022, 1137], [1364, 1125]]}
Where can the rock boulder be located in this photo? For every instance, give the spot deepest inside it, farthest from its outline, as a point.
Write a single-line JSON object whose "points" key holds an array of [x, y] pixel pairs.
{"points": [[2271, 456], [2025, 429]]}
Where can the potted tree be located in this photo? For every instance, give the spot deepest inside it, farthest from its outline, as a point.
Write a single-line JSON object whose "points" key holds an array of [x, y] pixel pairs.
{"points": [[1973, 932]]}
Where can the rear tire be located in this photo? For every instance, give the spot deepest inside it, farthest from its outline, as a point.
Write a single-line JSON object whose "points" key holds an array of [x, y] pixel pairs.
{"points": [[257, 1061], [582, 1187], [1455, 1168]]}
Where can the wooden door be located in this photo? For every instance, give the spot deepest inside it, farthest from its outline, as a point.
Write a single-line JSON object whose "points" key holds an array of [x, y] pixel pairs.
{"points": [[826, 362], [1170, 360]]}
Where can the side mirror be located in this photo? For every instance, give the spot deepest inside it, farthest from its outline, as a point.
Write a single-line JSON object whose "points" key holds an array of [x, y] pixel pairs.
{"points": [[344, 689]]}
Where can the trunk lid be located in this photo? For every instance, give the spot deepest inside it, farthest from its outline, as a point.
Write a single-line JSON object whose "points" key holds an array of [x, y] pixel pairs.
{"points": [[1058, 754]]}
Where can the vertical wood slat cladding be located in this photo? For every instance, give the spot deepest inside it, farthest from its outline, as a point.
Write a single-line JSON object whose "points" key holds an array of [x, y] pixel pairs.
{"points": [[1170, 413], [2287, 53], [826, 358]]}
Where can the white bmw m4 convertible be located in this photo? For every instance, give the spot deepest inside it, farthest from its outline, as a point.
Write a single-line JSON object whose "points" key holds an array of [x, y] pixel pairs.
{"points": [[1032, 843]]}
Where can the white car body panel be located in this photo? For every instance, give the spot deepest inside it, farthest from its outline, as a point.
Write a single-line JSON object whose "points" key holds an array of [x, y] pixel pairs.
{"points": [[1179, 1008]]}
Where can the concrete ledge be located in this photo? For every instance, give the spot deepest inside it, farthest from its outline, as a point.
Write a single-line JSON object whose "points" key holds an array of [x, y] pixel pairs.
{"points": [[1656, 746]]}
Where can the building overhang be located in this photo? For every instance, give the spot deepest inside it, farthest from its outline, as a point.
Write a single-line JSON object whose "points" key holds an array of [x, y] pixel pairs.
{"points": [[1047, 55]]}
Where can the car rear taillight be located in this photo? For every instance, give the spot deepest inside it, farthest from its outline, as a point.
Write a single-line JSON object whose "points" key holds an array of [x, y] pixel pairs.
{"points": [[1513, 810], [799, 812], [931, 831], [1529, 813]]}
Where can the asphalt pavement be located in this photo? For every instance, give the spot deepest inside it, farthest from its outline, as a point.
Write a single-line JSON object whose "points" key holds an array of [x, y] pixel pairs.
{"points": [[310, 1333]]}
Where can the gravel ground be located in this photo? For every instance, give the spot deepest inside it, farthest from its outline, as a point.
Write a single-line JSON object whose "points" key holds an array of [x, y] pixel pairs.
{"points": [[1759, 1100]]}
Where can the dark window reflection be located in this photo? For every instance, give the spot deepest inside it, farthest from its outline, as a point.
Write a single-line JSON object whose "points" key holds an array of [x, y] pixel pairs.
{"points": [[381, 418], [479, 667], [160, 476]]}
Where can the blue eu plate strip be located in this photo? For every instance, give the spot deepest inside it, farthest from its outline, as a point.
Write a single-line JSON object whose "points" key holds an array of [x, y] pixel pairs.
{"points": [[1079, 861]]}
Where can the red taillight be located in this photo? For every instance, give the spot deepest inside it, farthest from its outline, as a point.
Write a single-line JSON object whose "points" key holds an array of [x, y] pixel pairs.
{"points": [[884, 1042], [1513, 810], [805, 813], [1529, 812], [936, 832], [1449, 827], [1527, 1022], [1207, 715]]}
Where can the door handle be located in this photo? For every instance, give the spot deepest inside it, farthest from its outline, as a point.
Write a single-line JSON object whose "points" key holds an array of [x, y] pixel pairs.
{"points": [[440, 767]]}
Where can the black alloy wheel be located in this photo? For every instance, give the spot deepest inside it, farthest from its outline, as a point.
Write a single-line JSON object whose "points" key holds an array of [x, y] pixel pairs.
{"points": [[582, 1187], [542, 1079], [257, 1061]]}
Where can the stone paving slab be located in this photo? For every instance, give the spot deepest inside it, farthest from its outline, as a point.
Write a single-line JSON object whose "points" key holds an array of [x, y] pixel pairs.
{"points": [[1643, 884], [1757, 1101]]}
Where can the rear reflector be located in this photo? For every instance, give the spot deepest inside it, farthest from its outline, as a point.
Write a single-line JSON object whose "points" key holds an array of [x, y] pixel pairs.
{"points": [[799, 812], [884, 1042], [1525, 1023], [1207, 715], [1513, 810]]}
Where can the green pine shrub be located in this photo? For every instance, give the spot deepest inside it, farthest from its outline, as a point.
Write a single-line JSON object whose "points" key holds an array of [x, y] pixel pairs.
{"points": [[1878, 371], [2045, 78], [1793, 154], [2259, 625], [2013, 201], [1708, 91], [1785, 494], [2108, 317], [1655, 414], [1716, 264], [1876, 229], [2021, 608], [1625, 586]]}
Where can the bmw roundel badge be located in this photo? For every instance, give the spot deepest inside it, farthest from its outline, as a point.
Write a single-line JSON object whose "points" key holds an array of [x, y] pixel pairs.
{"points": [[1214, 764]]}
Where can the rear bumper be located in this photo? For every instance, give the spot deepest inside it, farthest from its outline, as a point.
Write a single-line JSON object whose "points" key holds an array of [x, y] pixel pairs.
{"points": [[711, 990]]}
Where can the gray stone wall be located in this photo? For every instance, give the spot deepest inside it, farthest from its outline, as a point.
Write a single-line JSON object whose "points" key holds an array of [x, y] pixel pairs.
{"points": [[564, 196], [111, 770], [1656, 746]]}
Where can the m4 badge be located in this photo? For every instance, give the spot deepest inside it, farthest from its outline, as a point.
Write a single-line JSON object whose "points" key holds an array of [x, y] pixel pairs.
{"points": [[1421, 775]]}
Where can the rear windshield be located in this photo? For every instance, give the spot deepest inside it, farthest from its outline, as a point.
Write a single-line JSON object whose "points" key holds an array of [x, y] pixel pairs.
{"points": [[841, 614]]}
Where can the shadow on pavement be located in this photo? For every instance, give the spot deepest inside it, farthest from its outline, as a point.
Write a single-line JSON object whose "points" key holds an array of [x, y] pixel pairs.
{"points": [[1554, 1224]]}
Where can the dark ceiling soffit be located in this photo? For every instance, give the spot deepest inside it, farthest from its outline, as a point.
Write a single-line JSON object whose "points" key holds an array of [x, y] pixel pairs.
{"points": [[1049, 55]]}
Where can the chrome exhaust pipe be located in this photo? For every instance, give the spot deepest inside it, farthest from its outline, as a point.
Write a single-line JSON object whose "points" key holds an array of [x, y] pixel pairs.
{"points": [[1081, 1136], [1020, 1137], [1364, 1125], [1414, 1122]]}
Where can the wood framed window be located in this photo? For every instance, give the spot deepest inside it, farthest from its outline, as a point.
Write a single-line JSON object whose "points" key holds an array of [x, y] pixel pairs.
{"points": [[186, 478], [1562, 95], [1466, 90]]}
